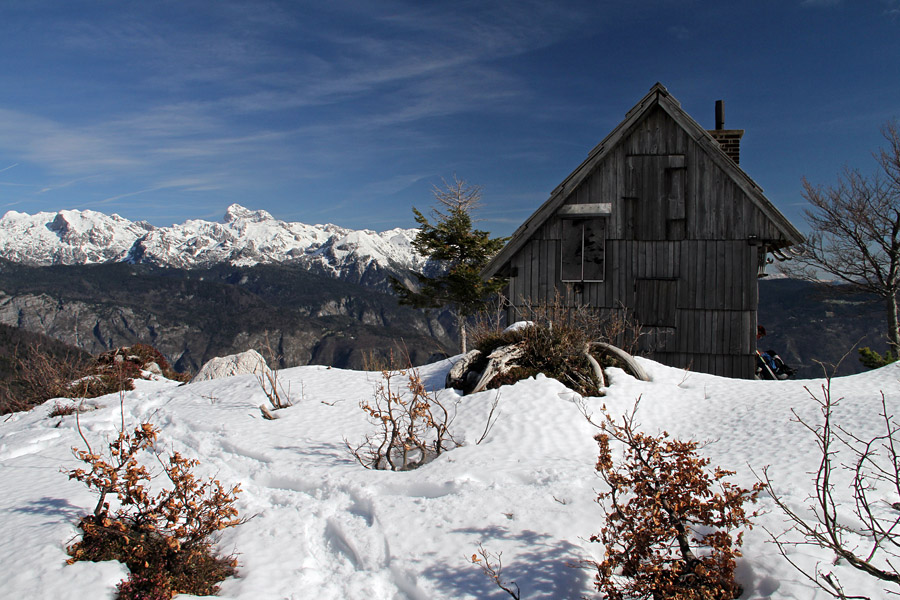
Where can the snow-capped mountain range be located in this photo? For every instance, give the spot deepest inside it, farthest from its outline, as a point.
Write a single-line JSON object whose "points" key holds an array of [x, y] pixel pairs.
{"points": [[243, 238]]}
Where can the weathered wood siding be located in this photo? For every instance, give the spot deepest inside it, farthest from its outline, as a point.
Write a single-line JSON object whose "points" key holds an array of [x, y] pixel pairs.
{"points": [[679, 251]]}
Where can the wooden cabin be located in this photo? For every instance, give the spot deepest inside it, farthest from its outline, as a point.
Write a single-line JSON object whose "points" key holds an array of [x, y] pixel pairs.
{"points": [[659, 223]]}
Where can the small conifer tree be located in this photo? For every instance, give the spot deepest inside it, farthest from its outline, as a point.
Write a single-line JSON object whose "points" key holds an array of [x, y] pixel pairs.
{"points": [[461, 251]]}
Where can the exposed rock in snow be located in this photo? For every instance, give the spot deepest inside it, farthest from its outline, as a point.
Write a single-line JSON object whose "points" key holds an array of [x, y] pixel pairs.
{"points": [[245, 363]]}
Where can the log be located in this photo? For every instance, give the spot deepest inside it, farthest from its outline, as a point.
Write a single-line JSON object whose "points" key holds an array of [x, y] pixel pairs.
{"points": [[499, 361], [598, 371], [631, 365], [456, 377]]}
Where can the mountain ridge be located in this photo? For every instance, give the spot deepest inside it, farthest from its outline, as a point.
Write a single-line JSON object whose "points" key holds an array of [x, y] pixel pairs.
{"points": [[243, 238]]}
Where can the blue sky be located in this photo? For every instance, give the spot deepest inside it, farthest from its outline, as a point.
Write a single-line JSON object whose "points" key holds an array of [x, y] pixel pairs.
{"points": [[349, 111]]}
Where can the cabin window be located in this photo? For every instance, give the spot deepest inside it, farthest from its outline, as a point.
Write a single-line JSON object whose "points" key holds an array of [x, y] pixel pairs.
{"points": [[583, 249]]}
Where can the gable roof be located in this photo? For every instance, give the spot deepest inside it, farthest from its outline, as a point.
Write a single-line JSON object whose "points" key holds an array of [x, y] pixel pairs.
{"points": [[657, 96]]}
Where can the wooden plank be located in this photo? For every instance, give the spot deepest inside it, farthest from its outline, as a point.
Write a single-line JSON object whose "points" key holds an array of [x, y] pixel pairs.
{"points": [[585, 210], [748, 332], [730, 270], [526, 271], [700, 337], [607, 192], [609, 282], [702, 275], [696, 331], [619, 189], [667, 128], [691, 191], [709, 202], [737, 259], [721, 335], [552, 270], [718, 247], [716, 226], [641, 255], [728, 213], [519, 265], [660, 197], [511, 286], [541, 271], [712, 283], [739, 228]]}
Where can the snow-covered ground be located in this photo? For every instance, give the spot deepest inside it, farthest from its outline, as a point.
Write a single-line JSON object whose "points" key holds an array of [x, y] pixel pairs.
{"points": [[323, 527]]}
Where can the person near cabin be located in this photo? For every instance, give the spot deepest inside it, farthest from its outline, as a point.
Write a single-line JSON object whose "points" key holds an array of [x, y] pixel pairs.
{"points": [[771, 359]]}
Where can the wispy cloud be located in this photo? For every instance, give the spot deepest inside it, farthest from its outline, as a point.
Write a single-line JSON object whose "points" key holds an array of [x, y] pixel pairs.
{"points": [[817, 3], [318, 77], [64, 184], [680, 33]]}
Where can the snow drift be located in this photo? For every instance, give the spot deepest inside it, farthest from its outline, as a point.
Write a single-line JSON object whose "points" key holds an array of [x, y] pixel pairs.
{"points": [[323, 527]]}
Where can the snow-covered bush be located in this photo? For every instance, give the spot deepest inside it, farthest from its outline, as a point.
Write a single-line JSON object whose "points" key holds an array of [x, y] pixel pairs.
{"points": [[669, 519], [165, 536]]}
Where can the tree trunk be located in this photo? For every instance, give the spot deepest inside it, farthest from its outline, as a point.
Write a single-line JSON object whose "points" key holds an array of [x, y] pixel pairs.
{"points": [[893, 334], [461, 322]]}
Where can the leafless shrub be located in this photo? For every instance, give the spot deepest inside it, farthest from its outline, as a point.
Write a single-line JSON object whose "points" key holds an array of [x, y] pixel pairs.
{"points": [[622, 330], [490, 320], [268, 380], [70, 407], [492, 567], [278, 397], [412, 426], [555, 343], [39, 376], [560, 341], [865, 535], [373, 360]]}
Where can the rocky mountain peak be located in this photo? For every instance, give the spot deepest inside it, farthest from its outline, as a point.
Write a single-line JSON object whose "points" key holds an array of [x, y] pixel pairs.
{"points": [[244, 238], [236, 212]]}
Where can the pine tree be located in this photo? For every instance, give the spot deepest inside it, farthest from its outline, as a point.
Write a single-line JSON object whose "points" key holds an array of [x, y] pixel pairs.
{"points": [[460, 251]]}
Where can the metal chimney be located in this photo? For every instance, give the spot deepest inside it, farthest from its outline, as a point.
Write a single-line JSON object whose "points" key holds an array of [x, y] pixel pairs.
{"points": [[720, 114]]}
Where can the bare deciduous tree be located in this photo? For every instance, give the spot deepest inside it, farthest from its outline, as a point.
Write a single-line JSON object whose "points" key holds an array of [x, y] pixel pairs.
{"points": [[863, 534], [855, 230]]}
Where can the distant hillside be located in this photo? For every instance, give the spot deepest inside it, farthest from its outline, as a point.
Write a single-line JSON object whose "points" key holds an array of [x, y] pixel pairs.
{"points": [[806, 322], [194, 315]]}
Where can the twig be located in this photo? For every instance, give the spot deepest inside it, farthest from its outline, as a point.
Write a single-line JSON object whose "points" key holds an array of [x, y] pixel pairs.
{"points": [[491, 420], [486, 561]]}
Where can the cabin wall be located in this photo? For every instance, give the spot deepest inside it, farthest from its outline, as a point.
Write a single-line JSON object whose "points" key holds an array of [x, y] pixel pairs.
{"points": [[681, 252]]}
